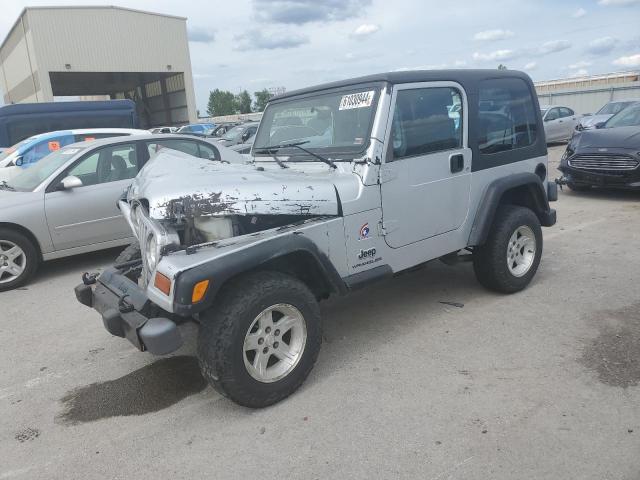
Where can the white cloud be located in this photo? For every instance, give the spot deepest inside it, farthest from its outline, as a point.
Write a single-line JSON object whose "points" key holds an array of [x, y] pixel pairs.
{"points": [[494, 56], [629, 61], [580, 64], [581, 12], [365, 30], [530, 66], [460, 63], [602, 46], [492, 35], [553, 46], [613, 3]]}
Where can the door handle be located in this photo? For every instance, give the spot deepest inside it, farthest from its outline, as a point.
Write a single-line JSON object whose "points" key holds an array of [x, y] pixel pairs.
{"points": [[456, 162]]}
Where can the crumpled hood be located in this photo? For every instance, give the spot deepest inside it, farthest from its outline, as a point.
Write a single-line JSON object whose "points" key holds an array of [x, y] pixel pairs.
{"points": [[620, 137], [591, 120], [176, 184]]}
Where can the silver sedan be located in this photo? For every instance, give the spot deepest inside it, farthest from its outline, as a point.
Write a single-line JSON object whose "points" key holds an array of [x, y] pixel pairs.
{"points": [[66, 203], [559, 122]]}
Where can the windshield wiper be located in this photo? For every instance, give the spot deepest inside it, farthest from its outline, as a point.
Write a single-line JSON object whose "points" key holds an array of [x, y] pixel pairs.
{"points": [[275, 148], [4, 185]]}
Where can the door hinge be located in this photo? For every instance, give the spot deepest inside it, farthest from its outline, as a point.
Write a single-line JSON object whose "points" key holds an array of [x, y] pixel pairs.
{"points": [[387, 226], [386, 174]]}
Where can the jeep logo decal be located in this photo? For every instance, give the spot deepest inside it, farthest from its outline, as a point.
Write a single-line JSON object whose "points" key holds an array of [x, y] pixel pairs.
{"points": [[367, 253]]}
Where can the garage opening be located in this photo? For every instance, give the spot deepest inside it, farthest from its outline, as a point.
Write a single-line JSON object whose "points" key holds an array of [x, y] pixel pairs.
{"points": [[160, 97]]}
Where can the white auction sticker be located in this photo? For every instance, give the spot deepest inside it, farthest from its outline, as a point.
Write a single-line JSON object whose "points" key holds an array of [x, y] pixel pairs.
{"points": [[357, 100]]}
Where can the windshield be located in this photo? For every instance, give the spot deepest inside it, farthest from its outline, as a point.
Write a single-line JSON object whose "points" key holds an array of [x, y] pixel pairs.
{"points": [[329, 123], [613, 108], [10, 150], [28, 179], [629, 117], [234, 133], [543, 111]]}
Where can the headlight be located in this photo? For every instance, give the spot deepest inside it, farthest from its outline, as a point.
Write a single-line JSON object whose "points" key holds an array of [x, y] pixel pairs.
{"points": [[151, 251], [567, 153]]}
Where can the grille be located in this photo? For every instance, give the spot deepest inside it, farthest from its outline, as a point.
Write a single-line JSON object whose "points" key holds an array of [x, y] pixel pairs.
{"points": [[143, 231], [604, 162]]}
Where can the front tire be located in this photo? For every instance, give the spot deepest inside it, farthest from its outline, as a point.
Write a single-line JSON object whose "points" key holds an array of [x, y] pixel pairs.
{"points": [[19, 259], [261, 339], [510, 257]]}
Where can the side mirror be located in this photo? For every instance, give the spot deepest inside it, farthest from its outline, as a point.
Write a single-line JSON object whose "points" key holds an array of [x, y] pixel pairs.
{"points": [[70, 182], [18, 162], [600, 124]]}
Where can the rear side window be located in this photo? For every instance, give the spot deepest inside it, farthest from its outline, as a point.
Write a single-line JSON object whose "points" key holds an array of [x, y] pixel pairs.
{"points": [[566, 112], [507, 119], [426, 120]]}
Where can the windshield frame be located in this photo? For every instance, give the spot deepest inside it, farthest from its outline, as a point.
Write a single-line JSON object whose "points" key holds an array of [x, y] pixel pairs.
{"points": [[330, 152]]}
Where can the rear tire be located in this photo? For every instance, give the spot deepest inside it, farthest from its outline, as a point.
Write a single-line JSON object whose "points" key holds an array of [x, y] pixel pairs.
{"points": [[510, 257], [19, 259], [242, 341]]}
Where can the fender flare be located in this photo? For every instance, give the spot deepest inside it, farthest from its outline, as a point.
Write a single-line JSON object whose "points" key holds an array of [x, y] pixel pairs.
{"points": [[221, 269], [486, 211]]}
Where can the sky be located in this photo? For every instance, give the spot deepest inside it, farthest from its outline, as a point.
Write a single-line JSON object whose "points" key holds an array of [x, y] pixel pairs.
{"points": [[256, 44]]}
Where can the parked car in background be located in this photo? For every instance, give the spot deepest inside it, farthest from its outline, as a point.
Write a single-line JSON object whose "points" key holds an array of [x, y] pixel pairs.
{"points": [[196, 128], [608, 156], [157, 130], [31, 150], [239, 134], [559, 122], [221, 129], [604, 114], [244, 148], [40, 218], [24, 120]]}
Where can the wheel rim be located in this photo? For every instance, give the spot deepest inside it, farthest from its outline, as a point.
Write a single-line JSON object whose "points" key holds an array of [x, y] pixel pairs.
{"points": [[521, 251], [13, 261], [274, 343]]}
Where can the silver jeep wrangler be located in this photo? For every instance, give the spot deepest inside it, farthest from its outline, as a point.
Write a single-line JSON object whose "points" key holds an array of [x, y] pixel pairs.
{"points": [[348, 183]]}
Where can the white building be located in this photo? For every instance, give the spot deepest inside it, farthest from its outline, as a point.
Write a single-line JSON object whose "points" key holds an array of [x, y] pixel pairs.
{"points": [[589, 94], [101, 51]]}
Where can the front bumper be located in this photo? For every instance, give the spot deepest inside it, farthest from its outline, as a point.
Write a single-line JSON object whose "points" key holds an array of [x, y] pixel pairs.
{"points": [[602, 171], [623, 179], [128, 313]]}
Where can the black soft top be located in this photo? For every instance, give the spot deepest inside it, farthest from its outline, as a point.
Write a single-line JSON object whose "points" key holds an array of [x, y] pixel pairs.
{"points": [[466, 77]]}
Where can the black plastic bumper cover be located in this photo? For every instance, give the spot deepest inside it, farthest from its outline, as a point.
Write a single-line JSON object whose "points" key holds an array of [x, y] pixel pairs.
{"points": [[126, 312]]}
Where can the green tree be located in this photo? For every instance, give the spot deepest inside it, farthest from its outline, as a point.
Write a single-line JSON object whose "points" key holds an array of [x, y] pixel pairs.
{"points": [[502, 67], [262, 98], [243, 102], [221, 102]]}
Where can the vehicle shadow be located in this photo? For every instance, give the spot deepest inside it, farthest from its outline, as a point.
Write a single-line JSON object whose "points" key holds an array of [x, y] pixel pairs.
{"points": [[76, 264], [364, 319]]}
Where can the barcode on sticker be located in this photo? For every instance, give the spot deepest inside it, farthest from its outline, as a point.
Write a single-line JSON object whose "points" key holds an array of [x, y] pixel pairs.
{"points": [[357, 100]]}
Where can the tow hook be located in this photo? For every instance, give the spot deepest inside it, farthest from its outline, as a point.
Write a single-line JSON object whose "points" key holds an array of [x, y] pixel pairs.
{"points": [[561, 181], [124, 306], [89, 278]]}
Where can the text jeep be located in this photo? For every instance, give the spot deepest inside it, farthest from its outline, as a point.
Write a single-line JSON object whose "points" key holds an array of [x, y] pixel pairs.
{"points": [[349, 182]]}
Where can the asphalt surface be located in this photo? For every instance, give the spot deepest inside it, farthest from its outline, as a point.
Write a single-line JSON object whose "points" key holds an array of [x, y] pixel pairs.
{"points": [[543, 384]]}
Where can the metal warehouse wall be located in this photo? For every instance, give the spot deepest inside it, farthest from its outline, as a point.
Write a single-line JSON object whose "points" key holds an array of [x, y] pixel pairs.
{"points": [[589, 94], [96, 40]]}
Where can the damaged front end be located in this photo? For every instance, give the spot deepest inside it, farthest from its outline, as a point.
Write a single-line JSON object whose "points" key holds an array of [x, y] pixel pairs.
{"points": [[202, 202]]}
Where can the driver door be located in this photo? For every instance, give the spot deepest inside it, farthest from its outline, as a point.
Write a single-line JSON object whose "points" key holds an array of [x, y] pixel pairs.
{"points": [[89, 215], [426, 178]]}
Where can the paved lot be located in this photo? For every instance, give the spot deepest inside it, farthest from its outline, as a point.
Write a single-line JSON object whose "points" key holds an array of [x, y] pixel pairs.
{"points": [[539, 385]]}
